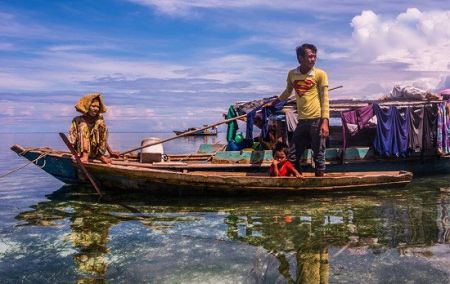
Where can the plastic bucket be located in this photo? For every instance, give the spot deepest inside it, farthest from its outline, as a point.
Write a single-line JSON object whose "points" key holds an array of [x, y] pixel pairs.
{"points": [[153, 153]]}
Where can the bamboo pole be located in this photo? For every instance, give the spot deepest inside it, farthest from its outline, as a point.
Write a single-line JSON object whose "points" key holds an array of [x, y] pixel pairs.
{"points": [[185, 133], [79, 163], [200, 129]]}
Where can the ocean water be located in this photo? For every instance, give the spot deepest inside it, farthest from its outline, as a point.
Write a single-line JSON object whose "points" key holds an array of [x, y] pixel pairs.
{"points": [[52, 233]]}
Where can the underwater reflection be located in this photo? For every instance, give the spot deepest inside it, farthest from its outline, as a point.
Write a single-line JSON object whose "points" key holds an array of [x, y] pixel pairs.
{"points": [[306, 239]]}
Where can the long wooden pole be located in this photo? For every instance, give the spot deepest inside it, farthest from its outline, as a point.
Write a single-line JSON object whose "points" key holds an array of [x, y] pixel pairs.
{"points": [[79, 163], [200, 129], [185, 133]]}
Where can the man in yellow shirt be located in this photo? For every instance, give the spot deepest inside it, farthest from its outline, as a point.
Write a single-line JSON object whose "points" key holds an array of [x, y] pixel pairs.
{"points": [[311, 92]]}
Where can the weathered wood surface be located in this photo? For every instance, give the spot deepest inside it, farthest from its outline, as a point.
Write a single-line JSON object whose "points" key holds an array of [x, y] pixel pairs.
{"points": [[133, 177], [125, 177], [356, 160]]}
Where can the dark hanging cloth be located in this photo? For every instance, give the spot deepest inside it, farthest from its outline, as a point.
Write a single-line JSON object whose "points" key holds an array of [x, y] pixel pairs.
{"points": [[415, 116], [232, 125], [429, 127], [250, 121], [265, 125], [355, 120], [392, 132]]}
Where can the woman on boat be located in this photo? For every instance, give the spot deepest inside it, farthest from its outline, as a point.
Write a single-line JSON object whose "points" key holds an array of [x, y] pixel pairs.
{"points": [[281, 167], [88, 133]]}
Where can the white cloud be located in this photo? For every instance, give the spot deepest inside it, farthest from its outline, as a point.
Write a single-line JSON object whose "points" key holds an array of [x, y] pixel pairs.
{"points": [[11, 81], [65, 70], [191, 7], [5, 46], [444, 83], [11, 26], [420, 40], [80, 47]]}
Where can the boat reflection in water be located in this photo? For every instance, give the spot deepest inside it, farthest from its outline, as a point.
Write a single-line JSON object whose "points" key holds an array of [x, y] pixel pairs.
{"points": [[384, 236]]}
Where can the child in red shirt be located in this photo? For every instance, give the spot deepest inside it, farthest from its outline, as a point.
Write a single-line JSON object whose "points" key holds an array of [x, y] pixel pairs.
{"points": [[281, 167]]}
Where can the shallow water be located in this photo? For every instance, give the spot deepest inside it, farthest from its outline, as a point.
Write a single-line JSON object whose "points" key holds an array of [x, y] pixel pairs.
{"points": [[55, 233]]}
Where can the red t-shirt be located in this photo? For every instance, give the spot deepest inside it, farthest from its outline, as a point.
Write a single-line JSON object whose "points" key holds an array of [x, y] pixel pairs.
{"points": [[285, 169]]}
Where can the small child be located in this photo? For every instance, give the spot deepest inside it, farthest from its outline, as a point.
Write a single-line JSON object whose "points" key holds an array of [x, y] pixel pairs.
{"points": [[281, 167]]}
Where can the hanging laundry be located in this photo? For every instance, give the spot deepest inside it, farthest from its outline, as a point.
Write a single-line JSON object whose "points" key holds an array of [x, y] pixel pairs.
{"points": [[392, 132], [415, 116], [443, 129], [250, 121], [291, 120], [232, 125], [266, 112], [429, 127], [355, 120], [264, 123]]}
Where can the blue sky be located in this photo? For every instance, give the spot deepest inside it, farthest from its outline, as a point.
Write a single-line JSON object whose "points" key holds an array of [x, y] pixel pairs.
{"points": [[173, 64]]}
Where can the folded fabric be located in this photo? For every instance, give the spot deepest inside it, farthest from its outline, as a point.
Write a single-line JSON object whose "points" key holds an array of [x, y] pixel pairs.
{"points": [[291, 120]]}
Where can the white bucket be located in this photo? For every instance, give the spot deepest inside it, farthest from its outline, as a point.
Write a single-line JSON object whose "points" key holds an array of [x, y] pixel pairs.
{"points": [[152, 153]]}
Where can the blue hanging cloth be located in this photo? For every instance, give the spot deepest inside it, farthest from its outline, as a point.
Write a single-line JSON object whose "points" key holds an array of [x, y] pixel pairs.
{"points": [[266, 113], [250, 121], [392, 132]]}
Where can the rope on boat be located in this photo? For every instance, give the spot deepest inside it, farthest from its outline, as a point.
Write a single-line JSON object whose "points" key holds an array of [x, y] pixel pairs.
{"points": [[21, 167]]}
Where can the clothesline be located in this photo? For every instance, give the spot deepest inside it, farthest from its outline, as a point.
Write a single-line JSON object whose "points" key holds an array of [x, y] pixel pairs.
{"points": [[399, 131], [398, 104]]}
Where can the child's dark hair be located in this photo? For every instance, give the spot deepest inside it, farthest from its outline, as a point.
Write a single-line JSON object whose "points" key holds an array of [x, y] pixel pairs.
{"points": [[280, 146]]}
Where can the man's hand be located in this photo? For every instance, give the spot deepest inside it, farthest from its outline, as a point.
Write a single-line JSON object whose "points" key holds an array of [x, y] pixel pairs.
{"points": [[268, 105], [271, 103], [115, 155], [324, 130]]}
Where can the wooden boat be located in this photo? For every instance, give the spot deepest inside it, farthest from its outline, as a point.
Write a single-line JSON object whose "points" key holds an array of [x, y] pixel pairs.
{"points": [[192, 179], [354, 159], [360, 156], [200, 132]]}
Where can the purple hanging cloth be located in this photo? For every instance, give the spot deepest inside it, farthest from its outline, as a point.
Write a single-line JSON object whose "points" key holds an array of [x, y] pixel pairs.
{"points": [[354, 120], [443, 129], [392, 132]]}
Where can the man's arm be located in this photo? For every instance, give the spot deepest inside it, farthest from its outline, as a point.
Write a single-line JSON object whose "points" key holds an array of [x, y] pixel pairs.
{"points": [[324, 105], [111, 152], [284, 95]]}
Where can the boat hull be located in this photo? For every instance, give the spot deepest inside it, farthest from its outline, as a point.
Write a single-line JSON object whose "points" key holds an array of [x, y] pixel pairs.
{"points": [[358, 159], [160, 181], [132, 177]]}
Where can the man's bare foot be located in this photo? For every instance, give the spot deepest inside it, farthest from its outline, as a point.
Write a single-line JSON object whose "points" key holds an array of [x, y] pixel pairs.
{"points": [[105, 160], [84, 158]]}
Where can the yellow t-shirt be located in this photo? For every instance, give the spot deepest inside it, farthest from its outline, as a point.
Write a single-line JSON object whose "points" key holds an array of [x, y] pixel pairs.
{"points": [[311, 93]]}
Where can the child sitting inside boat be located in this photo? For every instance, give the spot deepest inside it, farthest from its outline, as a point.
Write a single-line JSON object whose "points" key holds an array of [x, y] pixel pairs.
{"points": [[281, 167]]}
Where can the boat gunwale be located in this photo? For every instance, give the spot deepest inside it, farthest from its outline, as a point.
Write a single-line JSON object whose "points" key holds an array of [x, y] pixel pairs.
{"points": [[240, 181]]}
